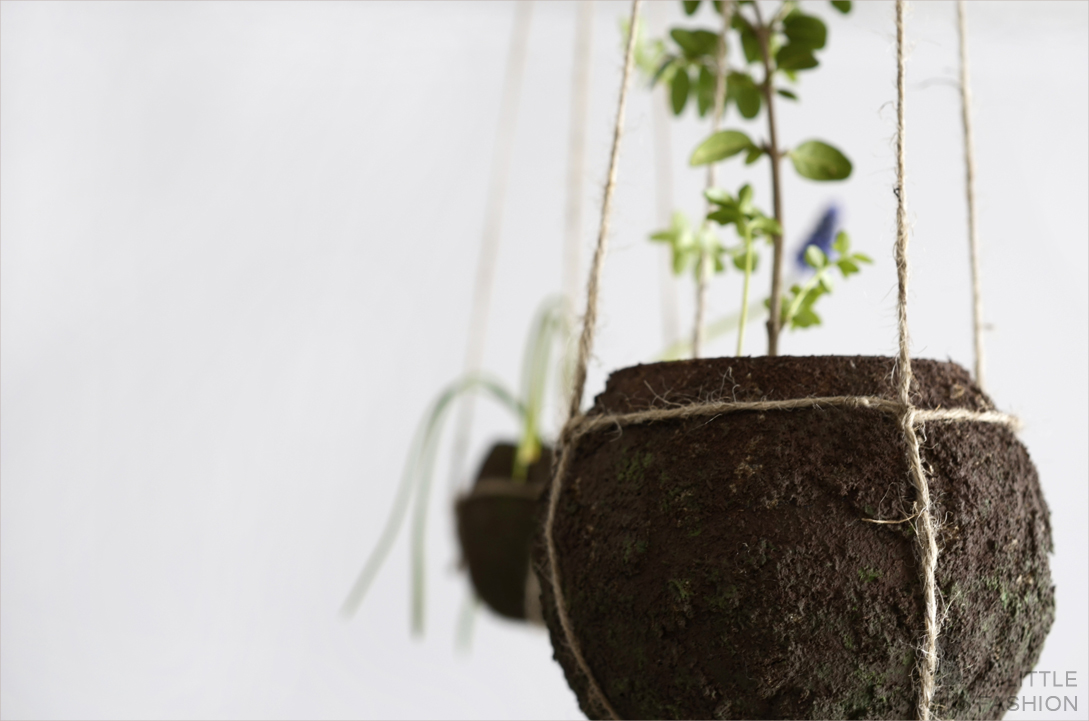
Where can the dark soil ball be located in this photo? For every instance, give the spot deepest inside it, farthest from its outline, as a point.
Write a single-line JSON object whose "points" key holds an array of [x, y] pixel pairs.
{"points": [[496, 523], [720, 567]]}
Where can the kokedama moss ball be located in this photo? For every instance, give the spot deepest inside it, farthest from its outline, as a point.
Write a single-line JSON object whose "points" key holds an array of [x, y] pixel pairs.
{"points": [[720, 566], [496, 522]]}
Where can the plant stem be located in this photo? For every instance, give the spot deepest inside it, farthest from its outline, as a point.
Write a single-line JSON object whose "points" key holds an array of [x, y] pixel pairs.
{"points": [[745, 296], [763, 33]]}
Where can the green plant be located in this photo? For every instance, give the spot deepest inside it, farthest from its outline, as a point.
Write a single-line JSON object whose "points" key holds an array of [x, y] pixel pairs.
{"points": [[548, 327], [781, 47]]}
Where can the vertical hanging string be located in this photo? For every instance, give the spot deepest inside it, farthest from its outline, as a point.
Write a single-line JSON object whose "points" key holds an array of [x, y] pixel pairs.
{"points": [[716, 118], [970, 191], [576, 152], [590, 320], [493, 219], [663, 193], [585, 344], [925, 530]]}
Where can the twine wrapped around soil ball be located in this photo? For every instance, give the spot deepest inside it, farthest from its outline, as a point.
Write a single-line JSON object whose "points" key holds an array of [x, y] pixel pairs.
{"points": [[725, 564], [495, 522]]}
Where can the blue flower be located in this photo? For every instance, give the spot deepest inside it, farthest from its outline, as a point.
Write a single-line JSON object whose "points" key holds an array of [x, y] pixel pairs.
{"points": [[822, 236]]}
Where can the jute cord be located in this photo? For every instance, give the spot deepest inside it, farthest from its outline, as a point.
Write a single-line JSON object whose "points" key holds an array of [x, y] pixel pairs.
{"points": [[907, 415], [970, 193]]}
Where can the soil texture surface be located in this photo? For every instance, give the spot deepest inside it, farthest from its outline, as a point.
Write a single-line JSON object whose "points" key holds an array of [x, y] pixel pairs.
{"points": [[721, 566]]}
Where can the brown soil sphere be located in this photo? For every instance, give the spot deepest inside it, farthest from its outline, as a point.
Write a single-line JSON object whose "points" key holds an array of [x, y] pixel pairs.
{"points": [[720, 567], [496, 523]]}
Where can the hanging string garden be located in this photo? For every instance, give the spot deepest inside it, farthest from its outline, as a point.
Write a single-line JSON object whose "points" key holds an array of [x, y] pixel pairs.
{"points": [[790, 537]]}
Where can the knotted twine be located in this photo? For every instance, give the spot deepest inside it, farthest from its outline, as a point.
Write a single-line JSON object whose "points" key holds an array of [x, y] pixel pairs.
{"points": [[908, 415]]}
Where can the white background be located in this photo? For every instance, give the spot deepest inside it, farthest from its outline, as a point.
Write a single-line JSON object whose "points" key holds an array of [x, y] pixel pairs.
{"points": [[238, 243]]}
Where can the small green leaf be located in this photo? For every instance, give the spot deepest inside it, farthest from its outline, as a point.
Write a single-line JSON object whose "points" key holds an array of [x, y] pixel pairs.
{"points": [[861, 258], [679, 91], [725, 216], [847, 266], [786, 93], [705, 94], [723, 144], [815, 257], [805, 318], [744, 197], [819, 161], [691, 6], [767, 226], [694, 43], [743, 91], [754, 155], [844, 6], [805, 31], [749, 43], [842, 243], [718, 195], [795, 57]]}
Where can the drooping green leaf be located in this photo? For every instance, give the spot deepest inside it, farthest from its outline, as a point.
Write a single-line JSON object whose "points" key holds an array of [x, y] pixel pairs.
{"points": [[786, 94], [743, 91], [705, 93], [678, 94], [844, 6], [691, 6], [816, 160], [795, 57], [694, 43], [753, 155], [721, 145], [805, 31], [749, 43]]}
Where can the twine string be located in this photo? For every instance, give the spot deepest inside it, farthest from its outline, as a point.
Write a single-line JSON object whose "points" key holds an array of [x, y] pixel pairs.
{"points": [[925, 523], [970, 192], [579, 381]]}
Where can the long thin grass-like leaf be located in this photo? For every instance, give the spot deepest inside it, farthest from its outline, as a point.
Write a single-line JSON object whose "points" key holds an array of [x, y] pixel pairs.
{"points": [[416, 477], [464, 639]]}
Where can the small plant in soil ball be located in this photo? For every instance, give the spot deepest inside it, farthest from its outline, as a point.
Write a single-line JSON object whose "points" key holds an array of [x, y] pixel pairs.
{"points": [[776, 50], [495, 518]]}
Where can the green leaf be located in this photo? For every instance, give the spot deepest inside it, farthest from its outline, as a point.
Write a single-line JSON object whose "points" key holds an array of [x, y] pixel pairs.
{"points": [[844, 6], [786, 94], [805, 31], [739, 259], [744, 198], [718, 195], [725, 216], [723, 144], [861, 258], [842, 243], [767, 226], [847, 266], [815, 257], [805, 318], [695, 43], [753, 155], [749, 43], [819, 161], [743, 91], [691, 6], [705, 94], [679, 90], [795, 57]]}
